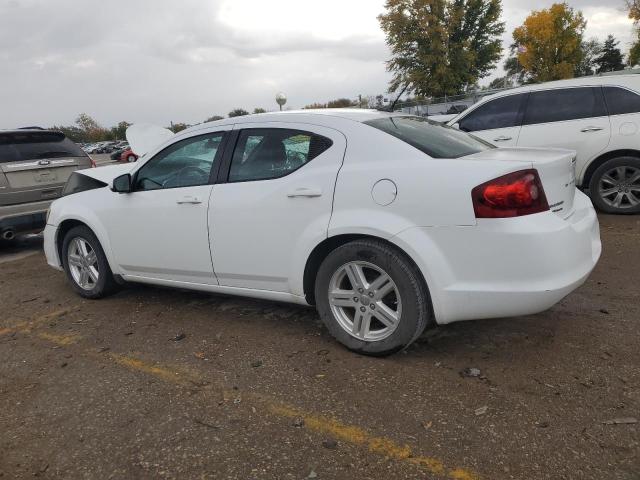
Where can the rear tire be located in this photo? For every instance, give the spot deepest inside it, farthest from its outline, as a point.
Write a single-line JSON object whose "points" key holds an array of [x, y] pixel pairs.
{"points": [[614, 187], [86, 265], [383, 312], [131, 158]]}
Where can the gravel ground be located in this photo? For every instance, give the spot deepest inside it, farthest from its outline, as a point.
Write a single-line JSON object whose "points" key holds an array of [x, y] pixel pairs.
{"points": [[156, 383]]}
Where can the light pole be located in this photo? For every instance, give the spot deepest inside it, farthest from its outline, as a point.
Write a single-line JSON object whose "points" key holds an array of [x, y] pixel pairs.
{"points": [[281, 99]]}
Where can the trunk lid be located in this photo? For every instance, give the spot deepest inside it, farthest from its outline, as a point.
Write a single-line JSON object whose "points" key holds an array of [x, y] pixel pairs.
{"points": [[35, 165], [556, 168]]}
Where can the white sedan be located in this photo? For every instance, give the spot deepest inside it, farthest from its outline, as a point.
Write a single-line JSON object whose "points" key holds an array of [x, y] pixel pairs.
{"points": [[386, 223]]}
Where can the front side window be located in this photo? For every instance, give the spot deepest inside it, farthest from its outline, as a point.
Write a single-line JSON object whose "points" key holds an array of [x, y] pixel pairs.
{"points": [[621, 100], [184, 164], [501, 112], [266, 153], [434, 139], [564, 104]]}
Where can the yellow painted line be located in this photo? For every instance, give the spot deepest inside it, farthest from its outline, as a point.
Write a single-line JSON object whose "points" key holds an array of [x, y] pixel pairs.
{"points": [[142, 366], [379, 445], [62, 340]]}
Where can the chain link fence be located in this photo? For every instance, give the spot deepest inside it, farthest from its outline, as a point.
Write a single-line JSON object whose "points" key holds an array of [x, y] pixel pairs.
{"points": [[444, 105]]}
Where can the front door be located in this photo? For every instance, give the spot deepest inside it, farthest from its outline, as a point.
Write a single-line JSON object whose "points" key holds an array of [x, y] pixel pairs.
{"points": [[159, 230], [275, 205], [496, 121]]}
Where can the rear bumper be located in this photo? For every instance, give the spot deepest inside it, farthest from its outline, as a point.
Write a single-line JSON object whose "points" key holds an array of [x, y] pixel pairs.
{"points": [[27, 217], [506, 267]]}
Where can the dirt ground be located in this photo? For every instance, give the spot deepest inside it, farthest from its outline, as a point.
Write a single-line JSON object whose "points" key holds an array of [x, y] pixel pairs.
{"points": [[156, 383]]}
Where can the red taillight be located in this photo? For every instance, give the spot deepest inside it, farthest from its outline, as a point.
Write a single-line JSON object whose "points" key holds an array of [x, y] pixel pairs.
{"points": [[512, 195]]}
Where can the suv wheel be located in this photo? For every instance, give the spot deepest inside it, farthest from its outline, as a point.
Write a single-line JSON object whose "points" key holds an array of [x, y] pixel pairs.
{"points": [[86, 265], [615, 186], [371, 298]]}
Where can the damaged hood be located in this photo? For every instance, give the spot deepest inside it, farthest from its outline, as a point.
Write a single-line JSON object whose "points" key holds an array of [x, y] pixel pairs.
{"points": [[143, 137]]}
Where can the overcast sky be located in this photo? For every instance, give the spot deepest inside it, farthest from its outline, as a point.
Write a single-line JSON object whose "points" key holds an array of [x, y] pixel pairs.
{"points": [[185, 60]]}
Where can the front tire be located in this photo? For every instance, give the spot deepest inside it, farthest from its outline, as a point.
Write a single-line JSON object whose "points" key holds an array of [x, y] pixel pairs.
{"points": [[371, 298], [86, 265], [615, 186]]}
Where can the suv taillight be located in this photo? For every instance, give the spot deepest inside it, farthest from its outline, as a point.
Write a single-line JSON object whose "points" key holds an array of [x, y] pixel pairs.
{"points": [[512, 195]]}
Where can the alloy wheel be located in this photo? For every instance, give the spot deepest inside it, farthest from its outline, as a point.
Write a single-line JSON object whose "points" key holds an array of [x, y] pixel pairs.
{"points": [[365, 301], [83, 263], [620, 187]]}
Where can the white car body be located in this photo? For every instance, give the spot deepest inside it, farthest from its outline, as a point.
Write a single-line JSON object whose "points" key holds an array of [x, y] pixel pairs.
{"points": [[596, 137], [256, 238]]}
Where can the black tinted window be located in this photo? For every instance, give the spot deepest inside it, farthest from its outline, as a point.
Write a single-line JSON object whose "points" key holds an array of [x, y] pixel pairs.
{"points": [[20, 146], [502, 112], [434, 139], [620, 100], [264, 153], [564, 104]]}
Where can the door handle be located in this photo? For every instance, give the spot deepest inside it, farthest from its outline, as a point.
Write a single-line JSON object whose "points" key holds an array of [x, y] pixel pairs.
{"points": [[188, 200], [501, 139], [591, 129], [305, 192]]}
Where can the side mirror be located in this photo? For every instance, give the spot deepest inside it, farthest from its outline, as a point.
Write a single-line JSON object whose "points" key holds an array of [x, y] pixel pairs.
{"points": [[122, 184], [456, 126]]}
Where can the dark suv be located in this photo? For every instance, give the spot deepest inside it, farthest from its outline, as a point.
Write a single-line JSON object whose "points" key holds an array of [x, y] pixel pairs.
{"points": [[34, 167]]}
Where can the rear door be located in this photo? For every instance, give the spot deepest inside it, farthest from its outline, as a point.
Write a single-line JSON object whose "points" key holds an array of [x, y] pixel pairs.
{"points": [[497, 121], [274, 202], [573, 118], [34, 166]]}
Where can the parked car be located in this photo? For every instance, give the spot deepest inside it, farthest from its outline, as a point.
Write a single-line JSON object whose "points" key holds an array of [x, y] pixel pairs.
{"points": [[34, 167], [455, 109], [387, 223], [598, 117], [128, 156]]}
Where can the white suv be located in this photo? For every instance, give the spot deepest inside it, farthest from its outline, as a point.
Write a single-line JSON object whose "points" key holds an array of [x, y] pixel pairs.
{"points": [[598, 117]]}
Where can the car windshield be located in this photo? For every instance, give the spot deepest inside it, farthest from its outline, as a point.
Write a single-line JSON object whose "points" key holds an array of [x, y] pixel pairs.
{"points": [[20, 146], [434, 139]]}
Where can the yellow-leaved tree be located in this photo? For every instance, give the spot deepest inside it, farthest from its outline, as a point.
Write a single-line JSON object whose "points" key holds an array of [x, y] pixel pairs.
{"points": [[549, 43]]}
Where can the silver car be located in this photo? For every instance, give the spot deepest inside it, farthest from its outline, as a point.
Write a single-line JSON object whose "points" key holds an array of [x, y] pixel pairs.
{"points": [[34, 167]]}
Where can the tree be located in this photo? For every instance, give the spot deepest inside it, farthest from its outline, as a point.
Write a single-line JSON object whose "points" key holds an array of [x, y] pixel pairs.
{"points": [[634, 13], [91, 130], [215, 118], [441, 47], [591, 50], [238, 112], [119, 132], [259, 110], [341, 103], [610, 58], [178, 127], [549, 42]]}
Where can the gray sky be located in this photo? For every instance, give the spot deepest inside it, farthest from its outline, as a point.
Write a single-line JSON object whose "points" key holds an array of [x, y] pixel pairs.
{"points": [[183, 61]]}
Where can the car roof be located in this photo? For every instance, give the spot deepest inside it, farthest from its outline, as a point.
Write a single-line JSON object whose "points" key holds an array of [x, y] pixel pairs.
{"points": [[324, 116]]}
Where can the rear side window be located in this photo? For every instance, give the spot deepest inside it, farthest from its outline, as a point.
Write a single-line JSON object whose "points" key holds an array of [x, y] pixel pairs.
{"points": [[621, 100], [502, 112], [564, 104], [21, 146], [434, 139], [266, 153]]}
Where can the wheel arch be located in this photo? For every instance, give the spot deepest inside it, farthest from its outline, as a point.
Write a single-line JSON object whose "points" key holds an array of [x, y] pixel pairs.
{"points": [[64, 227], [598, 161], [328, 245]]}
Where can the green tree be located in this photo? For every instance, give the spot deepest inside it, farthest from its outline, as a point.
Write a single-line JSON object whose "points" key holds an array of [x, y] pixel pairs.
{"points": [[634, 13], [341, 103], [259, 110], [91, 130], [238, 112], [610, 58], [591, 50], [119, 132], [178, 127], [549, 42], [214, 118], [441, 47]]}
